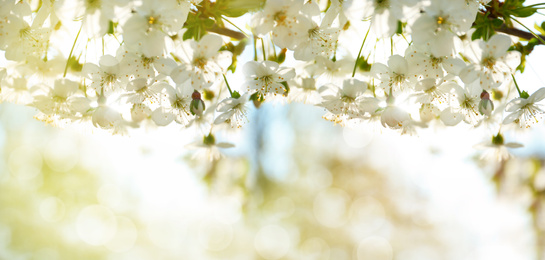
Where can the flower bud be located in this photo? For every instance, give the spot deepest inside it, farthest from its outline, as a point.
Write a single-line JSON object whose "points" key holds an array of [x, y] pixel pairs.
{"points": [[197, 105], [486, 106]]}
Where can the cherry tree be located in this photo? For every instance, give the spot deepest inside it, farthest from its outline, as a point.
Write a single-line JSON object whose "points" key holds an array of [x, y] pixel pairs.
{"points": [[198, 63]]}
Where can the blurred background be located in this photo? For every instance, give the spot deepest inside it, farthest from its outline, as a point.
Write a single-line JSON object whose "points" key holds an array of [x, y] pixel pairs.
{"points": [[295, 187]]}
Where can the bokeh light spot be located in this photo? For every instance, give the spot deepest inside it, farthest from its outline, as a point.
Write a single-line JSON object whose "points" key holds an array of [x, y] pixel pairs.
{"points": [[272, 242], [376, 248], [52, 209], [96, 225], [330, 207]]}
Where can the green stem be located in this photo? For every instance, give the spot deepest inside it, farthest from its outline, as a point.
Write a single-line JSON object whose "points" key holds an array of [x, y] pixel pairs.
{"points": [[392, 45], [225, 19], [255, 48], [516, 85], [534, 34], [227, 83], [359, 53], [263, 47], [71, 50]]}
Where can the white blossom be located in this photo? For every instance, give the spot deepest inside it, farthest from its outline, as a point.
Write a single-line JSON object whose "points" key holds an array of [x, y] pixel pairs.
{"points": [[525, 111]]}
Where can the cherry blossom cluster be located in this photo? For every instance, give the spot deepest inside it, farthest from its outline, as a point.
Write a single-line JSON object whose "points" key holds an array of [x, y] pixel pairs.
{"points": [[120, 65]]}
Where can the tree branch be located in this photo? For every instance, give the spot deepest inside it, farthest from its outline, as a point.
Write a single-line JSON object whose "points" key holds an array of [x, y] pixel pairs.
{"points": [[517, 32], [227, 32]]}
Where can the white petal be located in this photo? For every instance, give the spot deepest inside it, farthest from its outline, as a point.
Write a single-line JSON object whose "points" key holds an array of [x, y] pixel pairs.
{"points": [[165, 66], [513, 145], [398, 64], [224, 117], [451, 118], [225, 145], [161, 117], [515, 104], [108, 61], [511, 117], [499, 43], [537, 96]]}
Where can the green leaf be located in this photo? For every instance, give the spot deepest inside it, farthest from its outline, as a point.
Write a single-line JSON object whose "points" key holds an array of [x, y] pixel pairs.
{"points": [[540, 29], [523, 12], [477, 34], [197, 25], [497, 22]]}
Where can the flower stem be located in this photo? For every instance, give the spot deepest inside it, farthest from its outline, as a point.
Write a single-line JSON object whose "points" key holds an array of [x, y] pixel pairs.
{"points": [[227, 83], [391, 45], [525, 27], [225, 19], [359, 53], [263, 47], [71, 50], [255, 48], [516, 85]]}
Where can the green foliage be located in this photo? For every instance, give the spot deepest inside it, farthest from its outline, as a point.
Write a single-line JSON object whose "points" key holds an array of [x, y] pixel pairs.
{"points": [[485, 26], [509, 8], [197, 25]]}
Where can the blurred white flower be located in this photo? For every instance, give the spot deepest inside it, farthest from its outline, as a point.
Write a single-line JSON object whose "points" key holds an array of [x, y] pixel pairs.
{"points": [[496, 149], [56, 101], [207, 148]]}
